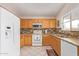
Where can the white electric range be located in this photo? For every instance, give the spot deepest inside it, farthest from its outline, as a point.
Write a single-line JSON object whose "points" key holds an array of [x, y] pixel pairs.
{"points": [[37, 38]]}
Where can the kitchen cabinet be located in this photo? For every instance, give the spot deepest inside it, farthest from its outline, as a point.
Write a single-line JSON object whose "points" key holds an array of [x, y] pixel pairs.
{"points": [[26, 23], [22, 37], [28, 40], [40, 20], [45, 23], [68, 49], [22, 23], [53, 23], [78, 50], [54, 42], [30, 22], [35, 20], [46, 40]]}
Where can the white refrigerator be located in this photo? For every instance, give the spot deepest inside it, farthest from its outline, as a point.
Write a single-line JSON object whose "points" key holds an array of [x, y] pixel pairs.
{"points": [[9, 34]]}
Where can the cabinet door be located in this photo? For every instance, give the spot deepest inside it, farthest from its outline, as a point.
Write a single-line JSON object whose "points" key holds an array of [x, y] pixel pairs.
{"points": [[68, 49], [22, 23], [78, 51], [28, 40], [30, 22], [40, 20], [22, 40], [26, 23], [45, 23], [46, 40], [56, 44], [35, 20], [52, 23]]}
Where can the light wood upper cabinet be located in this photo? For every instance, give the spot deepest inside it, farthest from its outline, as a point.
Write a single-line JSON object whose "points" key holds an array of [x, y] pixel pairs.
{"points": [[49, 23], [30, 24], [28, 40], [26, 23], [46, 23], [35, 20], [40, 20], [22, 23], [53, 23]]}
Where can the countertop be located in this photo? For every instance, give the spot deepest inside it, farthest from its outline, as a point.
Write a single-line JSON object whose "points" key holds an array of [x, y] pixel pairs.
{"points": [[73, 41]]}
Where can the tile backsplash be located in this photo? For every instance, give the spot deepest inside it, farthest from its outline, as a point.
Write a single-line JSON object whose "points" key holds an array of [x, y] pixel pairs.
{"points": [[25, 31], [51, 31]]}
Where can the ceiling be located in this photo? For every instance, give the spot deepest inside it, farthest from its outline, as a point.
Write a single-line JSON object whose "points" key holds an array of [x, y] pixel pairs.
{"points": [[34, 9]]}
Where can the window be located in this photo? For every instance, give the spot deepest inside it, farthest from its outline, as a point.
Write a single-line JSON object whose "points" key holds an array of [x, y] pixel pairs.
{"points": [[66, 22], [70, 24], [75, 24]]}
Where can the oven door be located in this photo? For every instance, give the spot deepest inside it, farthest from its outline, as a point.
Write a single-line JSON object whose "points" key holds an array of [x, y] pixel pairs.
{"points": [[36, 39]]}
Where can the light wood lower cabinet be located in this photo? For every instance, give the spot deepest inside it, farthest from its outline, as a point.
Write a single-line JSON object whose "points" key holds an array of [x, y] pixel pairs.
{"points": [[62, 48], [78, 51], [46, 40], [26, 40], [54, 42], [22, 40]]}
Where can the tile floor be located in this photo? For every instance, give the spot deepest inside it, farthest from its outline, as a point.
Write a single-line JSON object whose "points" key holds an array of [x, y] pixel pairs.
{"points": [[34, 51]]}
